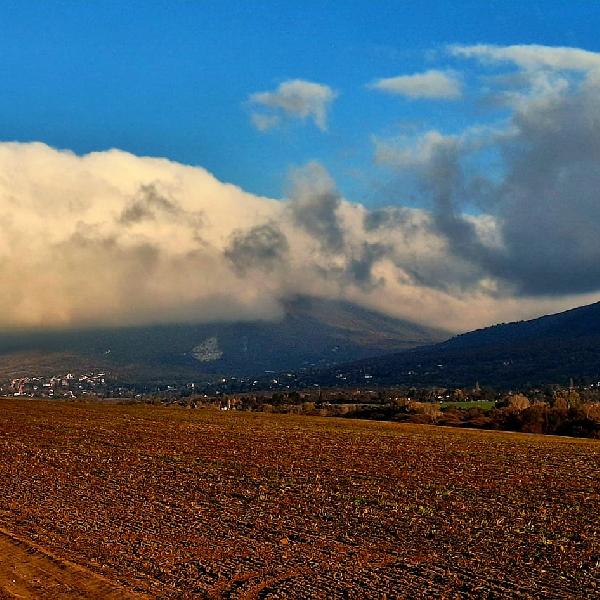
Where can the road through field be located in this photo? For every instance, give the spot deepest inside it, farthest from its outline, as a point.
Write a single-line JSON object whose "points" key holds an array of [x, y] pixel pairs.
{"points": [[176, 503]]}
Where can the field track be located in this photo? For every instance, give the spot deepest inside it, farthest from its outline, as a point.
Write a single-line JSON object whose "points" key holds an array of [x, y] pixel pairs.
{"points": [[174, 503], [29, 571]]}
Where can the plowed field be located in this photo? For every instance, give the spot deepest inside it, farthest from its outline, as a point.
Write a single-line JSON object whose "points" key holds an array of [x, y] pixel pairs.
{"points": [[176, 503]]}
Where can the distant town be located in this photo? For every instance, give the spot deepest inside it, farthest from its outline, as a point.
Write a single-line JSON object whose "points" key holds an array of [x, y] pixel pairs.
{"points": [[563, 410]]}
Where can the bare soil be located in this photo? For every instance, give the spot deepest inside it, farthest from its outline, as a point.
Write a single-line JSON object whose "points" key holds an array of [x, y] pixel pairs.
{"points": [[175, 503]]}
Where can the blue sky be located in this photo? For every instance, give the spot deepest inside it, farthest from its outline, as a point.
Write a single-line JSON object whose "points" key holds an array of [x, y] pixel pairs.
{"points": [[173, 78]]}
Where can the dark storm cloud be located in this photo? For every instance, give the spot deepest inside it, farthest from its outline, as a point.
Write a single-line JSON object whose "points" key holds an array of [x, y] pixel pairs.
{"points": [[261, 247], [360, 269], [314, 204], [147, 203], [546, 205], [389, 217], [549, 203]]}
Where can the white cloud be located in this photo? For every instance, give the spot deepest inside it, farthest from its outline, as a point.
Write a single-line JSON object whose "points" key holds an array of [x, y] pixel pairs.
{"points": [[432, 84], [532, 56], [264, 122], [411, 151], [296, 99], [419, 150]]}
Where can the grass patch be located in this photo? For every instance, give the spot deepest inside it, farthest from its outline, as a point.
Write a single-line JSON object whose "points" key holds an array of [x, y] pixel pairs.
{"points": [[483, 404]]}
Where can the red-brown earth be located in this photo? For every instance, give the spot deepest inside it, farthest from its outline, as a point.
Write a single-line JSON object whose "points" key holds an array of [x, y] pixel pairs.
{"points": [[176, 503]]}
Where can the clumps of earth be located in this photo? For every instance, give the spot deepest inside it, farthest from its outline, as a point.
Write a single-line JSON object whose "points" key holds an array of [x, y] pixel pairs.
{"points": [[208, 350]]}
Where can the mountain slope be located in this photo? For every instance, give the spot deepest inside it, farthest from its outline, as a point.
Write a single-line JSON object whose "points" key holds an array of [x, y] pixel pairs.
{"points": [[549, 349], [313, 333]]}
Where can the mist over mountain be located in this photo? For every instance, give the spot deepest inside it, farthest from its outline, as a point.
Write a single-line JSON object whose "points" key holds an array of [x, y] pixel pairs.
{"points": [[550, 349], [312, 333]]}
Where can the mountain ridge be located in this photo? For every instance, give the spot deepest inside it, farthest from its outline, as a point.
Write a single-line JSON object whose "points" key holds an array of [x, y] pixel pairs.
{"points": [[548, 349]]}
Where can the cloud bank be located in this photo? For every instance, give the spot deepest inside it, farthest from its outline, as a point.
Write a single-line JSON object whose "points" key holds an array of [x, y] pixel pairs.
{"points": [[112, 238]]}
